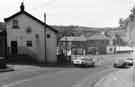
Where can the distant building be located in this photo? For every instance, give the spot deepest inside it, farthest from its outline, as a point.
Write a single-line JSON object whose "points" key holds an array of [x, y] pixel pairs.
{"points": [[128, 26], [69, 42], [28, 35], [96, 43], [131, 28], [100, 44]]}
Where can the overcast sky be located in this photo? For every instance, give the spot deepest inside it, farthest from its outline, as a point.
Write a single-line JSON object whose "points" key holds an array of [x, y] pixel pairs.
{"points": [[92, 13]]}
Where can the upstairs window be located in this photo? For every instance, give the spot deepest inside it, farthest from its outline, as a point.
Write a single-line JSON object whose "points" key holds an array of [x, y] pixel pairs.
{"points": [[48, 35], [15, 24], [28, 30]]}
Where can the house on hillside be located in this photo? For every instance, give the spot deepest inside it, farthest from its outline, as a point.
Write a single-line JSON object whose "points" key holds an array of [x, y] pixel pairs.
{"points": [[27, 35]]}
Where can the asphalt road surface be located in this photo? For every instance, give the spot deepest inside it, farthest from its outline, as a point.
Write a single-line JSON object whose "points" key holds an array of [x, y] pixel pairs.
{"points": [[58, 77], [71, 77]]}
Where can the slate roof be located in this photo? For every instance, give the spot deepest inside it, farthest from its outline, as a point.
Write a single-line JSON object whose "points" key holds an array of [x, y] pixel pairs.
{"points": [[31, 16]]}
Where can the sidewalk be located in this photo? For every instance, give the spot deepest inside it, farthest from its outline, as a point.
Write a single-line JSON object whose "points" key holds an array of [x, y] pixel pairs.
{"points": [[121, 78], [8, 69], [30, 68]]}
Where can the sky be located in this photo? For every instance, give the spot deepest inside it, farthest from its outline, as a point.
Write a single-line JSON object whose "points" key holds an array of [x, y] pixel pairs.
{"points": [[91, 13]]}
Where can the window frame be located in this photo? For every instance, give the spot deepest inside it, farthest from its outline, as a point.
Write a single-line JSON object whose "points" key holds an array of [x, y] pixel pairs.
{"points": [[48, 36], [28, 30], [15, 24], [29, 43]]}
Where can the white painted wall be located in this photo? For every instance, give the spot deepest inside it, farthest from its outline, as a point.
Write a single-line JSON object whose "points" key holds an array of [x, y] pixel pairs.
{"points": [[51, 47], [38, 45], [131, 32]]}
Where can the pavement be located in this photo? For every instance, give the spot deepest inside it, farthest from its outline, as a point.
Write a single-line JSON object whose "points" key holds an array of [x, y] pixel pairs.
{"points": [[8, 69], [121, 78]]}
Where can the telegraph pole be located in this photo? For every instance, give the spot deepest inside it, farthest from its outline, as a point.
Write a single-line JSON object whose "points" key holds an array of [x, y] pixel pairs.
{"points": [[45, 37]]}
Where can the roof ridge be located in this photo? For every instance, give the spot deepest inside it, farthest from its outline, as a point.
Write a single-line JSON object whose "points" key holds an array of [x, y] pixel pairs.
{"points": [[33, 17]]}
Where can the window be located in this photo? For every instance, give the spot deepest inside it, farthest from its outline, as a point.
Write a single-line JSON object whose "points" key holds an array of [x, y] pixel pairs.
{"points": [[15, 24], [37, 36], [111, 49], [48, 35], [14, 47], [29, 43], [28, 30]]}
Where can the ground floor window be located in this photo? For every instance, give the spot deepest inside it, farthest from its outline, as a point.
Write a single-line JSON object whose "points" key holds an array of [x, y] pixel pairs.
{"points": [[29, 43]]}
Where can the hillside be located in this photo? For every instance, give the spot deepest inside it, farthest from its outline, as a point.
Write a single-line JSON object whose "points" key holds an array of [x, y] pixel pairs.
{"points": [[89, 31], [81, 28]]}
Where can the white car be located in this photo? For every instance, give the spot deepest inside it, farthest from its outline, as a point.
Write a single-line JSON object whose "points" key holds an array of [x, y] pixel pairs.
{"points": [[131, 61], [84, 62], [124, 63]]}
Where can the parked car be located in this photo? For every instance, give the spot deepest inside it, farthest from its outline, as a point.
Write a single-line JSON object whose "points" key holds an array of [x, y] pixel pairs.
{"points": [[123, 63], [131, 61], [87, 62]]}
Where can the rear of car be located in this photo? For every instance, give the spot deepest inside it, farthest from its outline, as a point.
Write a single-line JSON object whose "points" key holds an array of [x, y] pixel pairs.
{"points": [[77, 59], [80, 58], [88, 62], [83, 61]]}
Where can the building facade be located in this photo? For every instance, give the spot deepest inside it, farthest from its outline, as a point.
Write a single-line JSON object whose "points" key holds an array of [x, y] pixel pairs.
{"points": [[27, 35], [100, 43], [131, 28], [3, 40], [128, 25], [97, 43]]}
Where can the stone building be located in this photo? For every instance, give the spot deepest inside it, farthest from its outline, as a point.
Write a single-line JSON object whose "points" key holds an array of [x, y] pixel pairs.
{"points": [[27, 35]]}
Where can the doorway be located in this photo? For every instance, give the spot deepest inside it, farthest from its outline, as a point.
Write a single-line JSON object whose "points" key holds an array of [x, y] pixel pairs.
{"points": [[14, 47]]}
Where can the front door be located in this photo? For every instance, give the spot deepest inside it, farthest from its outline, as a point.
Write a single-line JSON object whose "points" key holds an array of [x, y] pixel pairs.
{"points": [[14, 47], [2, 48]]}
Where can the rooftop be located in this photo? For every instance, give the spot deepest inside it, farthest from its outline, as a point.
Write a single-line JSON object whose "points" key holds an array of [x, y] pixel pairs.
{"points": [[76, 38]]}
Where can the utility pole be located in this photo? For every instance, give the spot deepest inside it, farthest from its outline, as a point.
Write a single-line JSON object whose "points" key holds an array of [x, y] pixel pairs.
{"points": [[45, 36], [66, 44]]}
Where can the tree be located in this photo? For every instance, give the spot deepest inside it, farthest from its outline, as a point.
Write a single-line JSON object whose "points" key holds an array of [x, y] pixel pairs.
{"points": [[119, 41]]}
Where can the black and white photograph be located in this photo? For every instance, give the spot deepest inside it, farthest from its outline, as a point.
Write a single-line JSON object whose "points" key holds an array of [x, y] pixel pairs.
{"points": [[67, 43]]}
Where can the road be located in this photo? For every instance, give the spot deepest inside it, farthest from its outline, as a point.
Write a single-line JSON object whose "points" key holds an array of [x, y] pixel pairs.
{"points": [[75, 77], [58, 77]]}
